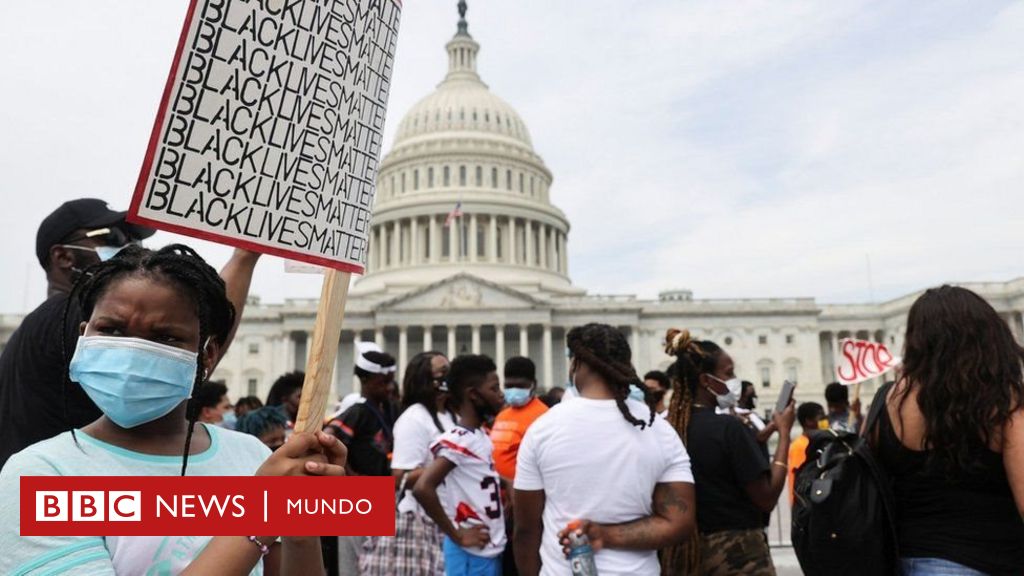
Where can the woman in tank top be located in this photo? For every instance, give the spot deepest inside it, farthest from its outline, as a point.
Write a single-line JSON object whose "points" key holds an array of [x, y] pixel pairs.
{"points": [[952, 439]]}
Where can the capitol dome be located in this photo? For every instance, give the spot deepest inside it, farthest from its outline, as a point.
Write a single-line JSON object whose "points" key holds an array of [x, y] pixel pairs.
{"points": [[462, 191]]}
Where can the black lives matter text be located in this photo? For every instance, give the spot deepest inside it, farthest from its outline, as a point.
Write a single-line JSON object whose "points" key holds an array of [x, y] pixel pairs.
{"points": [[273, 127]]}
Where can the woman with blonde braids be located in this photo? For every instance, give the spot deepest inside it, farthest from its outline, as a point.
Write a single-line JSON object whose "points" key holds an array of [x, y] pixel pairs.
{"points": [[735, 483]]}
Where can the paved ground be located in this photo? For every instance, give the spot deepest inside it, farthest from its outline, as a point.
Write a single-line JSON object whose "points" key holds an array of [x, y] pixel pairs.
{"points": [[778, 536], [785, 561]]}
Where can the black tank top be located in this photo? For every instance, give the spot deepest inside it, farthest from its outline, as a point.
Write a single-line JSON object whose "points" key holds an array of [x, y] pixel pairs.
{"points": [[971, 521]]}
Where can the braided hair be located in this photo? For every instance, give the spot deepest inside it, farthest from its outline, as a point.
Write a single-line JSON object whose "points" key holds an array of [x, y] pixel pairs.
{"points": [[177, 264], [605, 351], [693, 358]]}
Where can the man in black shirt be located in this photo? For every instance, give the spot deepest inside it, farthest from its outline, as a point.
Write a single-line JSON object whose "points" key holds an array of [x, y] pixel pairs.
{"points": [[366, 429], [33, 399], [35, 403]]}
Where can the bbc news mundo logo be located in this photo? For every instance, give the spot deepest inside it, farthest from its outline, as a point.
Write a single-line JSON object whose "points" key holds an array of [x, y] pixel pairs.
{"points": [[207, 506], [89, 506]]}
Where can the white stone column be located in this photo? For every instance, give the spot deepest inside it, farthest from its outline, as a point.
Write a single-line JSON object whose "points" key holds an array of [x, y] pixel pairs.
{"points": [[492, 250], [546, 355], [559, 248], [453, 241], [528, 243], [428, 339], [434, 246], [414, 244], [542, 235], [511, 240], [835, 355], [403, 346], [499, 346], [472, 238], [393, 244], [524, 340], [634, 342], [378, 336], [451, 341], [565, 254], [476, 339], [286, 353]]}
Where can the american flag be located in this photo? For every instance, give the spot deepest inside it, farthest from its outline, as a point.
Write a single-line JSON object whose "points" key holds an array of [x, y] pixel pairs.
{"points": [[455, 213]]}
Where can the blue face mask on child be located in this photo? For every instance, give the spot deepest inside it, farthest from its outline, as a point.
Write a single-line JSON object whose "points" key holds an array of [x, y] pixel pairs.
{"points": [[133, 381], [518, 397]]}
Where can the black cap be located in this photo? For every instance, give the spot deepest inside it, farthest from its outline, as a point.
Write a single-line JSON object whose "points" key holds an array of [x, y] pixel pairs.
{"points": [[87, 213]]}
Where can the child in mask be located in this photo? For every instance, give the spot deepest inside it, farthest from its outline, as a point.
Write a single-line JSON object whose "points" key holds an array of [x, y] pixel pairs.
{"points": [[470, 515], [735, 483], [154, 329]]}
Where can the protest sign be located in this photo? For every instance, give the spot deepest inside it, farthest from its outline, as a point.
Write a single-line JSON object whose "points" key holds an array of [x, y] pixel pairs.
{"points": [[269, 132], [268, 138], [861, 360]]}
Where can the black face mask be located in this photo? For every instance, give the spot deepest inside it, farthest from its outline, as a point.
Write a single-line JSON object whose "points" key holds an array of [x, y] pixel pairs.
{"points": [[657, 396]]}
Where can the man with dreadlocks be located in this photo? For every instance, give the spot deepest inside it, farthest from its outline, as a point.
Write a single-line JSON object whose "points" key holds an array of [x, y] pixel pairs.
{"points": [[735, 482], [602, 458], [154, 324]]}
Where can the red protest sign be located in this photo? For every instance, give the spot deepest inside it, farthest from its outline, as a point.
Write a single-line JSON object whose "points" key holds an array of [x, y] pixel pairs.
{"points": [[861, 360]]}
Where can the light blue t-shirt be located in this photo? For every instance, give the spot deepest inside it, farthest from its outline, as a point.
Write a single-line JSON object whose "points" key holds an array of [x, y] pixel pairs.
{"points": [[230, 454]]}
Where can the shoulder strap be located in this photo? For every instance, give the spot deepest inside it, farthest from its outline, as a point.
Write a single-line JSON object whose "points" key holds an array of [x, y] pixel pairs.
{"points": [[877, 405]]}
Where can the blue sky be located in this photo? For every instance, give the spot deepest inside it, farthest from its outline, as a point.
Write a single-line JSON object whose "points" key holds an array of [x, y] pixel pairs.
{"points": [[739, 149]]}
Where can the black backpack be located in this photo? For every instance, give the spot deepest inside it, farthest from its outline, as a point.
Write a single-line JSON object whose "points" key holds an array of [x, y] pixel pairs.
{"points": [[843, 514]]}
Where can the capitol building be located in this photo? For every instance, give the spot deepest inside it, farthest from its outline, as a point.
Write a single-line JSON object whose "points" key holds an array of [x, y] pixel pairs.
{"points": [[496, 280]]}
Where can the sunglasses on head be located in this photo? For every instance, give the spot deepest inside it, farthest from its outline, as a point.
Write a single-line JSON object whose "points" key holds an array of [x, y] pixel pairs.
{"points": [[110, 236]]}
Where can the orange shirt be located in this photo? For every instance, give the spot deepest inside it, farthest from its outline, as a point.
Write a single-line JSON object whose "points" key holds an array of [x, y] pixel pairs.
{"points": [[797, 456], [509, 428]]}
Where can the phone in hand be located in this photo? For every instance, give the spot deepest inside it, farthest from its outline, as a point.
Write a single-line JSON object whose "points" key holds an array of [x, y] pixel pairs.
{"points": [[785, 396]]}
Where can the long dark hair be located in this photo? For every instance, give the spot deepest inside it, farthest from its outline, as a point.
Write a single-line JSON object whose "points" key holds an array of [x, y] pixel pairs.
{"points": [[967, 368], [604, 350], [693, 358], [418, 385], [174, 263]]}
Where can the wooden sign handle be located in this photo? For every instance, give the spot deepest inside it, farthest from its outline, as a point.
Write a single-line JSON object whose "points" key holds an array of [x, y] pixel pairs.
{"points": [[323, 351]]}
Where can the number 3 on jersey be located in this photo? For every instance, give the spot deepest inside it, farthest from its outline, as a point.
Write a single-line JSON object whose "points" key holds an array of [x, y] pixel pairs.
{"points": [[490, 484]]}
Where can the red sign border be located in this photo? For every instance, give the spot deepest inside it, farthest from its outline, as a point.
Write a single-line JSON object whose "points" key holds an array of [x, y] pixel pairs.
{"points": [[147, 166]]}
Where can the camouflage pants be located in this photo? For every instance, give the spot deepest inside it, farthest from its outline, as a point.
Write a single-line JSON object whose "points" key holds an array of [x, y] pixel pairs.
{"points": [[735, 553]]}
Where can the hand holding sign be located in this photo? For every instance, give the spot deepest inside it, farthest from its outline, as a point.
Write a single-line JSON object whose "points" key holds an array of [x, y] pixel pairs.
{"points": [[861, 360]]}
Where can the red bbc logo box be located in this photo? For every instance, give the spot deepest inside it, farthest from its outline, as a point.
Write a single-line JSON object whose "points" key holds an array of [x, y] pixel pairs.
{"points": [[207, 506], [88, 506]]}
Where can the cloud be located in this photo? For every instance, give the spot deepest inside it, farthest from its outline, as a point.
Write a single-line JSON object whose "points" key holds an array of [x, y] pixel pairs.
{"points": [[737, 148]]}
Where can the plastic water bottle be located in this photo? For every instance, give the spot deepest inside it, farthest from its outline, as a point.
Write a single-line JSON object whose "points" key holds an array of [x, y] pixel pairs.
{"points": [[581, 554]]}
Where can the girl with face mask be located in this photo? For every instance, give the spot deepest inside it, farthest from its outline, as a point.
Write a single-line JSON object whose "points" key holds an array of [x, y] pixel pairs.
{"points": [[153, 334], [735, 483]]}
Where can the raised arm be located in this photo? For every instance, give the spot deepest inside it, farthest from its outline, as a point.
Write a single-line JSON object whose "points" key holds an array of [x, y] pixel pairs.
{"points": [[764, 491], [237, 276]]}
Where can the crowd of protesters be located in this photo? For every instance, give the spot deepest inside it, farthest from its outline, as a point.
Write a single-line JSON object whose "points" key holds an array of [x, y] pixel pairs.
{"points": [[672, 473]]}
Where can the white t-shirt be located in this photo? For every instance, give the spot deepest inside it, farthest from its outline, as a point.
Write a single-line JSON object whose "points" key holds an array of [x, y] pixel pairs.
{"points": [[413, 434], [230, 454], [594, 465], [473, 489]]}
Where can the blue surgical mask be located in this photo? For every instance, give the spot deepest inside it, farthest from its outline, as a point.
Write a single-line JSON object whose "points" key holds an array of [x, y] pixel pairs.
{"points": [[103, 252], [636, 393], [133, 381], [229, 421], [518, 397]]}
